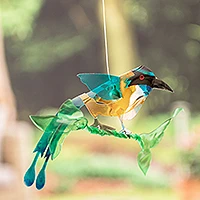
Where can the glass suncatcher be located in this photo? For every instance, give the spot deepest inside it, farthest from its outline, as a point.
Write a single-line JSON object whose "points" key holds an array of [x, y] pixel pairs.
{"points": [[109, 95]]}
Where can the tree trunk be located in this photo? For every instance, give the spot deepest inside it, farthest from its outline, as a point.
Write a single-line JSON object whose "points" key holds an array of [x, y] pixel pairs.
{"points": [[7, 100]]}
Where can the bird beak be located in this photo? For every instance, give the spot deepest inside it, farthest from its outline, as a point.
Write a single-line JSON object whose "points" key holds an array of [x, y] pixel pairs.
{"points": [[159, 84]]}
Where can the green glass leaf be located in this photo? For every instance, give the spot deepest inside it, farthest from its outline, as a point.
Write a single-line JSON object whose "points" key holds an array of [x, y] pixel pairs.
{"points": [[153, 138], [47, 136], [144, 160], [67, 119], [41, 122], [177, 111], [59, 146], [61, 133], [156, 136], [58, 139], [69, 111], [54, 143]]}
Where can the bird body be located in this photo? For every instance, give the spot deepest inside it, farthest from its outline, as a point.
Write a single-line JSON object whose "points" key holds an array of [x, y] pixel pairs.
{"points": [[120, 96]]}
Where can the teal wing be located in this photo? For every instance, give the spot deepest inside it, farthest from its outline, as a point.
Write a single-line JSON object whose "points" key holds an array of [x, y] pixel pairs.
{"points": [[104, 85]]}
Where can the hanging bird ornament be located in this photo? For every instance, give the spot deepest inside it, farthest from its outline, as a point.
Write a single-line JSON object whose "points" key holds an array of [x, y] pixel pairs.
{"points": [[109, 95]]}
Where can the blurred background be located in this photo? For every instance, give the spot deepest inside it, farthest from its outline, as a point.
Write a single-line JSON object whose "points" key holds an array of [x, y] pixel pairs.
{"points": [[45, 44]]}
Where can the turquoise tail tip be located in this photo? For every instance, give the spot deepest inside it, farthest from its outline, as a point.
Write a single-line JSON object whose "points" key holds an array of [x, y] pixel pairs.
{"points": [[40, 181], [29, 176], [41, 178]]}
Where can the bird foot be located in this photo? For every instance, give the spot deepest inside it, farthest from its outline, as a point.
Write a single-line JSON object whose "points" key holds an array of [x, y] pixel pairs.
{"points": [[101, 126], [126, 132]]}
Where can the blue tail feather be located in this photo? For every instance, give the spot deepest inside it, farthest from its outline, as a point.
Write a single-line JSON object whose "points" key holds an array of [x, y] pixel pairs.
{"points": [[41, 178], [29, 176]]}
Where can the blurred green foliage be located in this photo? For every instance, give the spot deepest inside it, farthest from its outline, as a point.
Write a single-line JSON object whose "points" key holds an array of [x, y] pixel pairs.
{"points": [[136, 193], [31, 61], [168, 37], [18, 17], [190, 162], [107, 166]]}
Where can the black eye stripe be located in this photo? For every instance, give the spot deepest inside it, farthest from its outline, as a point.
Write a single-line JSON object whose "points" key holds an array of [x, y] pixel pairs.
{"points": [[135, 80], [138, 74]]}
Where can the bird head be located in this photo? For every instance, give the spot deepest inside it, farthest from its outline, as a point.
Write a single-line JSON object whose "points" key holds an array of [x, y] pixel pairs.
{"points": [[143, 76]]}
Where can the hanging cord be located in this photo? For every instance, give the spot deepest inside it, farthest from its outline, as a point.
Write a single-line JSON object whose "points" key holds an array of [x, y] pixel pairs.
{"points": [[105, 37]]}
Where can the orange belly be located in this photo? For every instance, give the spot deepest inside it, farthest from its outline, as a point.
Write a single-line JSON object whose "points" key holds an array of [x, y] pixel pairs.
{"points": [[108, 107]]}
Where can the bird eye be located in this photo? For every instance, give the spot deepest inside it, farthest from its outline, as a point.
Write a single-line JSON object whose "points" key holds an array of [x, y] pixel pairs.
{"points": [[142, 77]]}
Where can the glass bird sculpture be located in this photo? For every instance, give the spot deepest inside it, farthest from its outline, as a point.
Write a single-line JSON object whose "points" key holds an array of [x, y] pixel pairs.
{"points": [[109, 95]]}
